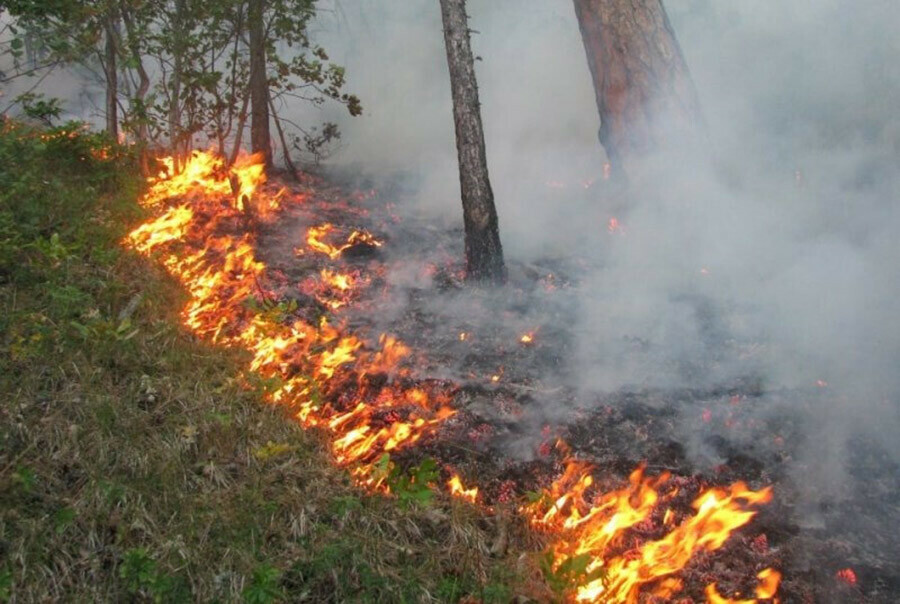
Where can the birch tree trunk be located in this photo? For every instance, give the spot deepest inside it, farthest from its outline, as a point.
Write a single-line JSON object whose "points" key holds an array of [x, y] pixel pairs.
{"points": [[484, 254], [260, 139], [642, 83]]}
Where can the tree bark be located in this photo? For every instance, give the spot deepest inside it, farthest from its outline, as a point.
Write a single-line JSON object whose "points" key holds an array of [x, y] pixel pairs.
{"points": [[484, 254], [642, 83], [178, 50], [112, 78], [138, 105], [260, 139]]}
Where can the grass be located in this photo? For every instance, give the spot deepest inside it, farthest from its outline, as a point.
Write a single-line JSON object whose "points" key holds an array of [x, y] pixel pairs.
{"points": [[135, 465]]}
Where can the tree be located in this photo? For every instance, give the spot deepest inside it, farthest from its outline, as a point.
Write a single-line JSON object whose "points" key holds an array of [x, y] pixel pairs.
{"points": [[484, 254], [111, 70], [176, 71], [642, 83]]}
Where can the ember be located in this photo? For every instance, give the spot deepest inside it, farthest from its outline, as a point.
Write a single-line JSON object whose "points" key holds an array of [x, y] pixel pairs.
{"points": [[846, 575]]}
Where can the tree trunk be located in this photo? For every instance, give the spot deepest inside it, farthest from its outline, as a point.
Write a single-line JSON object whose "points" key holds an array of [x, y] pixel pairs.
{"points": [[178, 50], [642, 84], [138, 104], [260, 139], [484, 255], [112, 78]]}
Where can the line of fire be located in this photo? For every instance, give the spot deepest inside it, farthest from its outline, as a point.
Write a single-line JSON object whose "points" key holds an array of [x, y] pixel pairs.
{"points": [[649, 373]]}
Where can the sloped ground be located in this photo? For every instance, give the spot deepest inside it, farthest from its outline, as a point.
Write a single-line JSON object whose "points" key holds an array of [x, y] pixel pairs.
{"points": [[137, 463]]}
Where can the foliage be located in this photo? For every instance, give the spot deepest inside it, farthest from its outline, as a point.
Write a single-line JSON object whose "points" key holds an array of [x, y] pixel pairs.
{"points": [[186, 64], [264, 586], [569, 574], [142, 575], [413, 486], [37, 107]]}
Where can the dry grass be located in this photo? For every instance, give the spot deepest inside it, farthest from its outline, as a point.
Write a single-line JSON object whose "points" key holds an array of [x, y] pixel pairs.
{"points": [[136, 464]]}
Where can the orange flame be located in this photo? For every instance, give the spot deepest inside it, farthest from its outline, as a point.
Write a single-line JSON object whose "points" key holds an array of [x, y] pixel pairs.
{"points": [[596, 525], [458, 490], [315, 239]]}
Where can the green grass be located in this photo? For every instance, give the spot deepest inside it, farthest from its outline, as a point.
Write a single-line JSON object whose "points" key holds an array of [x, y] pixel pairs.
{"points": [[136, 465]]}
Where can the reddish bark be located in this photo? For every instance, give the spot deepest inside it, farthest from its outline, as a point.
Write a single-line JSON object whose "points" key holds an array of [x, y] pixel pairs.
{"points": [[642, 83]]}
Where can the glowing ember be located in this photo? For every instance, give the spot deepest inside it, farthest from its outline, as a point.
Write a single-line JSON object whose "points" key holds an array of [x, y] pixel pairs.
{"points": [[846, 575], [614, 226], [527, 338]]}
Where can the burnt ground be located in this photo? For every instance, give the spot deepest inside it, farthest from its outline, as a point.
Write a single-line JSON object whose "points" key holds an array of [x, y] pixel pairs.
{"points": [[516, 398]]}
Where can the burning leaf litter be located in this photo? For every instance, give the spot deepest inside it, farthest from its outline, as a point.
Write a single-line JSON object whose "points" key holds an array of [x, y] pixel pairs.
{"points": [[362, 394]]}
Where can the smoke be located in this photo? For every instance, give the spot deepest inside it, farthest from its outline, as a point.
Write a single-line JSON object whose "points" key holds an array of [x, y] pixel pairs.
{"points": [[769, 253]]}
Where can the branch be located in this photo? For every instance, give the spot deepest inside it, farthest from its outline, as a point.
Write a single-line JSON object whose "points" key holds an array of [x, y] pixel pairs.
{"points": [[50, 65]]}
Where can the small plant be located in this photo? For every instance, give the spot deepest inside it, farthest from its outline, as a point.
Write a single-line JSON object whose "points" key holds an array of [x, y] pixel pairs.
{"points": [[265, 586], [411, 487], [25, 477], [142, 575], [62, 519], [270, 310], [569, 574]]}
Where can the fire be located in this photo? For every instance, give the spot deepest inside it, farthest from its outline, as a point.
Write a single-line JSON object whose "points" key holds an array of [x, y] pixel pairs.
{"points": [[315, 239], [595, 526], [361, 395], [769, 581], [221, 273], [458, 490], [170, 226], [527, 338]]}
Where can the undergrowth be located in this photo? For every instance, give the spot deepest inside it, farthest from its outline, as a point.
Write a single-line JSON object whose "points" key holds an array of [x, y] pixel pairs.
{"points": [[135, 465]]}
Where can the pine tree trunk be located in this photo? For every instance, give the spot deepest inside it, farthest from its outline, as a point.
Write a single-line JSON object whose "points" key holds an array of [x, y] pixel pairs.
{"points": [[260, 139], [484, 255], [642, 84], [112, 78]]}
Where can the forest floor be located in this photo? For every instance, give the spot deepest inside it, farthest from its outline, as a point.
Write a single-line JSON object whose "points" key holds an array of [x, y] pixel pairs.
{"points": [[135, 465]]}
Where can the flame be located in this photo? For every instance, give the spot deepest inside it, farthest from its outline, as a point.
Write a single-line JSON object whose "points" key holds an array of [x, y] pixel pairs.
{"points": [[769, 580], [315, 239], [360, 393], [221, 273], [596, 525], [458, 490], [527, 338]]}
